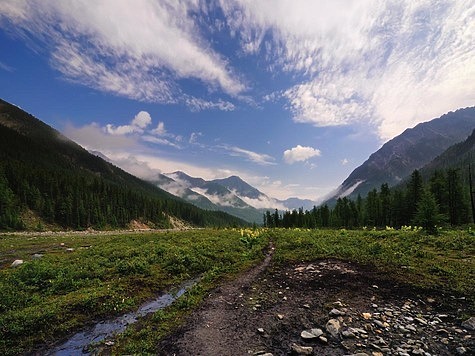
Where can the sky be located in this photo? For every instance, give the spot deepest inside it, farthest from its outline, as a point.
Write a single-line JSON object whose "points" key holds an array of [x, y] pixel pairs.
{"points": [[289, 95]]}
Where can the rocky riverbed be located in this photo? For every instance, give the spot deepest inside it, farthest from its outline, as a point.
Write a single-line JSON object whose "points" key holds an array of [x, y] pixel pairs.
{"points": [[327, 307]]}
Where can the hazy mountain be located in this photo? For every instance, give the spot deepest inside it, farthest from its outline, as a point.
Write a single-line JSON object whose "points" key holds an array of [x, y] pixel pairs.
{"points": [[209, 195], [233, 195], [412, 149], [52, 178], [296, 203]]}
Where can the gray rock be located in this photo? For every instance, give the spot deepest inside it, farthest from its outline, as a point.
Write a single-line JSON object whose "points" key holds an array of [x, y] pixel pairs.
{"points": [[461, 350], [301, 350], [16, 263], [333, 327], [469, 324], [421, 321], [323, 339], [311, 334], [37, 256], [336, 312], [348, 334]]}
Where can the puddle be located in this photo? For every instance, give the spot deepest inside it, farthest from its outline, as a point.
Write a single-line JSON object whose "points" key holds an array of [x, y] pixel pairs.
{"points": [[79, 342]]}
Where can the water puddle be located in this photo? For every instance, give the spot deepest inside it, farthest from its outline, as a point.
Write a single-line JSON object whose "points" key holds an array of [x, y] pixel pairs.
{"points": [[79, 342]]}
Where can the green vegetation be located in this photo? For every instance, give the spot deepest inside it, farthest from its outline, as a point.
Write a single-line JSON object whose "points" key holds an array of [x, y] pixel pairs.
{"points": [[104, 275], [52, 178], [443, 199], [444, 262], [47, 298]]}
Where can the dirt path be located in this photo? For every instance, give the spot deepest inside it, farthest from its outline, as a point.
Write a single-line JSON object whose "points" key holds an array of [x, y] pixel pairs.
{"points": [[214, 327], [346, 308]]}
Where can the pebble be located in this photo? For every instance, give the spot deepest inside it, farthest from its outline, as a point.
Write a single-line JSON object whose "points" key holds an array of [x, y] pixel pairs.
{"points": [[301, 350], [336, 312], [37, 256], [469, 324], [260, 330], [16, 263], [311, 334]]}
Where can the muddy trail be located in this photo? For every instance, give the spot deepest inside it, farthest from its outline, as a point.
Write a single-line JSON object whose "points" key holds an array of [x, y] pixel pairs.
{"points": [[326, 307]]}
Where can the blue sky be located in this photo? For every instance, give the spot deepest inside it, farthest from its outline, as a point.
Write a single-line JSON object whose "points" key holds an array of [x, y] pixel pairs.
{"points": [[289, 95]]}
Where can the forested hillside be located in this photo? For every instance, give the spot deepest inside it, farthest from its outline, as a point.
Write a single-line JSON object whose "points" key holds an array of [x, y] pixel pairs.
{"points": [[44, 174], [438, 194]]}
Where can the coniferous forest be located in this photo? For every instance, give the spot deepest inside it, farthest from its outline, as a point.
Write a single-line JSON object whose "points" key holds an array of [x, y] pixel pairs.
{"points": [[45, 174], [443, 198]]}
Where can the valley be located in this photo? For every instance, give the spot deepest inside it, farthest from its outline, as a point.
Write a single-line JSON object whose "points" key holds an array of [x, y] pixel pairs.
{"points": [[279, 281]]}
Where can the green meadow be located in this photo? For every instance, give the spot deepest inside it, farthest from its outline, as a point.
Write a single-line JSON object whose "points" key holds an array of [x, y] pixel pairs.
{"points": [[80, 279]]}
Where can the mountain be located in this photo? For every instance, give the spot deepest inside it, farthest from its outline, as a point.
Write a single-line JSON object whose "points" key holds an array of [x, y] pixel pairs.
{"points": [[297, 203], [209, 195], [47, 178], [411, 150], [457, 156], [231, 194]]}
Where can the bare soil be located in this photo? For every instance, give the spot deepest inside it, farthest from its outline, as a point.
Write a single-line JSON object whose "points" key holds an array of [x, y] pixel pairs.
{"points": [[264, 311]]}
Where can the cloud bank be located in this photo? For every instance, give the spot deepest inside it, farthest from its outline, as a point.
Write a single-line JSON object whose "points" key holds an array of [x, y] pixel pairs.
{"points": [[391, 63], [124, 47]]}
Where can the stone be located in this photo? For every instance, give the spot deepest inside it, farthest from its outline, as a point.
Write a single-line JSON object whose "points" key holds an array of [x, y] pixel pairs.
{"points": [[311, 334], [333, 327], [280, 316], [336, 312], [37, 256], [367, 316], [70, 249], [421, 321], [469, 324], [323, 339], [461, 350], [260, 330], [16, 263], [348, 334], [301, 350]]}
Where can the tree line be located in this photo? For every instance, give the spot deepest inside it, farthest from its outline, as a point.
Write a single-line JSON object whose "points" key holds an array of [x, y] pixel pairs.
{"points": [[442, 199]]}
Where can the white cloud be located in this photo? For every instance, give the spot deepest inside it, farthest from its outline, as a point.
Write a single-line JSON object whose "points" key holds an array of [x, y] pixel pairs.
{"points": [[259, 158], [196, 104], [93, 137], [390, 63], [160, 129], [263, 202], [124, 47], [137, 125], [159, 141], [142, 119], [300, 154], [194, 137]]}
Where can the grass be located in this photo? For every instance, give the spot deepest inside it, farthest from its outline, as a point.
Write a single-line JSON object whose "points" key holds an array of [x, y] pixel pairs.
{"points": [[44, 299], [444, 262], [105, 275]]}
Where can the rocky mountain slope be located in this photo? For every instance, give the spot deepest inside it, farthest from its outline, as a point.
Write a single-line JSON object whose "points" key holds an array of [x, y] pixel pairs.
{"points": [[412, 149]]}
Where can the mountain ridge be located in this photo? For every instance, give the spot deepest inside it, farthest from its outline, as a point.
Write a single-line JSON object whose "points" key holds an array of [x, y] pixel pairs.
{"points": [[412, 149]]}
